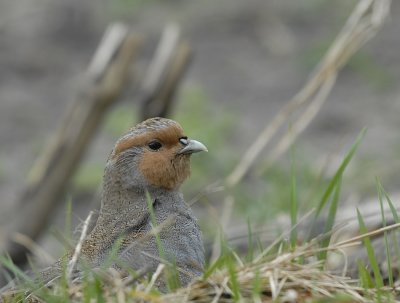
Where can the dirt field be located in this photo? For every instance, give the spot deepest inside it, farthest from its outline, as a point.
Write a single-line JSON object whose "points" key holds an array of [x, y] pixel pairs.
{"points": [[250, 58]]}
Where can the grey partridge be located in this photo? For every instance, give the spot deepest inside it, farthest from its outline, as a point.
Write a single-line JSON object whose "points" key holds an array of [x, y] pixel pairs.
{"points": [[150, 161]]}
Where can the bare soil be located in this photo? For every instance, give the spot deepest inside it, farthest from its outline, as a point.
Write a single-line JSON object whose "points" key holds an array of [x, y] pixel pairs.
{"points": [[250, 58]]}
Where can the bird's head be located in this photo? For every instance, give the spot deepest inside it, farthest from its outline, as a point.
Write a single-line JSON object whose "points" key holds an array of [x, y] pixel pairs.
{"points": [[154, 153]]}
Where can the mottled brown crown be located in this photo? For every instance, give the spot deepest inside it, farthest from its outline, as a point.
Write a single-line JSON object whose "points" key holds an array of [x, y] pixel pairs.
{"points": [[163, 129]]}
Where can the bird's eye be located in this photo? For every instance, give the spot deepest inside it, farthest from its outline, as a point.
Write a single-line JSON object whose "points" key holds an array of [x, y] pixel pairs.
{"points": [[183, 140], [155, 145]]}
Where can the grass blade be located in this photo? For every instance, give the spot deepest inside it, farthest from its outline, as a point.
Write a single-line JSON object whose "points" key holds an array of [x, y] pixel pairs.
{"points": [[293, 201], [212, 268], [257, 287], [68, 219], [234, 284], [370, 252], [364, 276], [385, 234], [250, 253], [171, 270], [391, 205], [331, 219], [339, 173], [17, 272]]}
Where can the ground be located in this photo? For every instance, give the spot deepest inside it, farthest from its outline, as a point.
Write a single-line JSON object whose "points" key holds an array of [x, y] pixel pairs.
{"points": [[250, 58]]}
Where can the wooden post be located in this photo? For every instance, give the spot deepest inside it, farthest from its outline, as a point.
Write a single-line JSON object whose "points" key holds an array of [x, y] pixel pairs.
{"points": [[168, 66], [105, 79]]}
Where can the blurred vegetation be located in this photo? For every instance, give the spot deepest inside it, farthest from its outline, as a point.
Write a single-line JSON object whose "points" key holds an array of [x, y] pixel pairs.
{"points": [[2, 170], [203, 120], [264, 193], [294, 265], [88, 177], [123, 7], [264, 198], [362, 64], [120, 119], [200, 118]]}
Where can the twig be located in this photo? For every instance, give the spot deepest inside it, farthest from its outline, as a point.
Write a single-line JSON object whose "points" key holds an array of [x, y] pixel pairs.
{"points": [[368, 234], [300, 125], [164, 53], [74, 259], [155, 276], [363, 23], [170, 61], [34, 248], [110, 43], [225, 217], [209, 189], [52, 171], [283, 235]]}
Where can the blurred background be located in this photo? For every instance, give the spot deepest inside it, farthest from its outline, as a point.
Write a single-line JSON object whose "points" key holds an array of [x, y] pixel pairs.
{"points": [[250, 57]]}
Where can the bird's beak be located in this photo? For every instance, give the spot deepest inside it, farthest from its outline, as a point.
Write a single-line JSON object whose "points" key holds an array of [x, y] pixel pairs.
{"points": [[192, 146]]}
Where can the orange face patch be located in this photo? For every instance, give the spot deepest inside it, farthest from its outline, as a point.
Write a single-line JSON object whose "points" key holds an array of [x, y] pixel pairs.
{"points": [[169, 136], [164, 168], [161, 168]]}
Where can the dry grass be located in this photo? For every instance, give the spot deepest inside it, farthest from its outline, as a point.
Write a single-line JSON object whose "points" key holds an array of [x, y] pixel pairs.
{"points": [[280, 273], [288, 276], [363, 24], [293, 276]]}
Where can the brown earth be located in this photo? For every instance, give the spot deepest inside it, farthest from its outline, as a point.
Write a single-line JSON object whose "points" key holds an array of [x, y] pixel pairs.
{"points": [[250, 57]]}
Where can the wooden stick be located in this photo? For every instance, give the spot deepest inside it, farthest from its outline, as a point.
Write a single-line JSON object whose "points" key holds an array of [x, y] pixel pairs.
{"points": [[168, 66], [77, 251], [104, 82], [364, 22]]}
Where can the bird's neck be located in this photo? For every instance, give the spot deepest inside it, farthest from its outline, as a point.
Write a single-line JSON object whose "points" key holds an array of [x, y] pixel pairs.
{"points": [[125, 209], [119, 203]]}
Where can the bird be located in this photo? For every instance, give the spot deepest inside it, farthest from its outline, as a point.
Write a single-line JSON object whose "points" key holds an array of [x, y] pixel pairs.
{"points": [[141, 191]]}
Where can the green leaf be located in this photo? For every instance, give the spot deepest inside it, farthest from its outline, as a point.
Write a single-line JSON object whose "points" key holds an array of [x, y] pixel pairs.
{"points": [[385, 234], [293, 201], [234, 283], [364, 276], [370, 252], [331, 219], [257, 287], [250, 244], [339, 173], [219, 263]]}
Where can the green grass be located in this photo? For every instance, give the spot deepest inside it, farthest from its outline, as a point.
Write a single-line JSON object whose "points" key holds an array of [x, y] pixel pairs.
{"points": [[171, 271], [370, 250], [384, 223], [201, 119], [256, 275], [280, 188], [215, 127], [120, 119], [339, 173], [290, 186], [88, 177]]}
